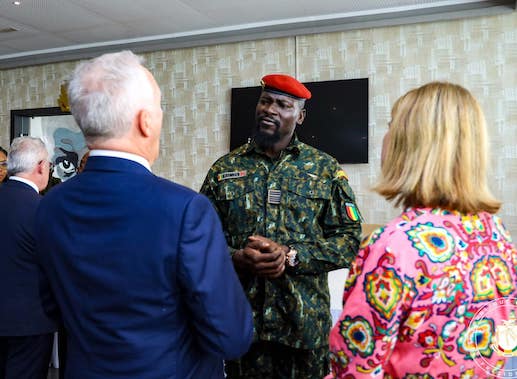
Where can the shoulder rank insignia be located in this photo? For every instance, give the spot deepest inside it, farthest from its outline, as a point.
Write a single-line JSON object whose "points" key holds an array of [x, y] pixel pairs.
{"points": [[341, 174], [231, 175]]}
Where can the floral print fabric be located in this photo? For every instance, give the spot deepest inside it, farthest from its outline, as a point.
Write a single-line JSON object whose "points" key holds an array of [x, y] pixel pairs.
{"points": [[413, 291]]}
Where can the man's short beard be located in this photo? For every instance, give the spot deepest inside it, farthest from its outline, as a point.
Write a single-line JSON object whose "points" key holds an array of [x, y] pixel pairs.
{"points": [[265, 140]]}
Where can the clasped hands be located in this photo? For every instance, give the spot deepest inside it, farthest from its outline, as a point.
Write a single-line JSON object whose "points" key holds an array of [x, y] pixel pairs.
{"points": [[262, 256]]}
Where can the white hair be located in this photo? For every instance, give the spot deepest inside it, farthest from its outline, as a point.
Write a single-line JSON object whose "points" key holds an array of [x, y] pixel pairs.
{"points": [[105, 94], [25, 153]]}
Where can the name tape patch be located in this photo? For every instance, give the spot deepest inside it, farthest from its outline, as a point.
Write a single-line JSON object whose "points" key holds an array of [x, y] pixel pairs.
{"points": [[231, 175]]}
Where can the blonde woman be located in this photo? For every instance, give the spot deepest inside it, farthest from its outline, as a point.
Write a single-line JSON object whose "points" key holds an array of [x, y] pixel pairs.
{"points": [[421, 300]]}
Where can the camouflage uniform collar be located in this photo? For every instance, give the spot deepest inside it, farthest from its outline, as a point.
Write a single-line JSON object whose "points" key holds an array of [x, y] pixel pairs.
{"points": [[293, 147]]}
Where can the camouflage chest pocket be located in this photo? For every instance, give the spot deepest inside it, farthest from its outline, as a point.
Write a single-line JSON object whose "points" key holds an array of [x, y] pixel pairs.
{"points": [[238, 201], [306, 201]]}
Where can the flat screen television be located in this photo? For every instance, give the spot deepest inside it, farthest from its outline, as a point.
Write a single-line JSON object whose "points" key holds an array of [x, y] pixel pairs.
{"points": [[336, 121]]}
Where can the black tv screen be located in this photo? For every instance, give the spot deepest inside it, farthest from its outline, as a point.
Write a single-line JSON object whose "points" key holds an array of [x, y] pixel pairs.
{"points": [[336, 121]]}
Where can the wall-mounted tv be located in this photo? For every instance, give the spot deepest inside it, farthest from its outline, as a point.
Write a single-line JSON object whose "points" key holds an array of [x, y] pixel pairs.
{"points": [[336, 122]]}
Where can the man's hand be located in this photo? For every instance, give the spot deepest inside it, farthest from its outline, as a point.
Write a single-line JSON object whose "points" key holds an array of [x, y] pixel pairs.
{"points": [[262, 256]]}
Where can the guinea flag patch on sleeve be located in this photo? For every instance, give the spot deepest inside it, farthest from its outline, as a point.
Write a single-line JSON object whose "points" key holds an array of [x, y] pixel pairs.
{"points": [[351, 211]]}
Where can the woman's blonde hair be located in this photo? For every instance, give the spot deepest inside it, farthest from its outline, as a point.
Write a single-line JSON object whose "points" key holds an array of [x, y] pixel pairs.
{"points": [[436, 151]]}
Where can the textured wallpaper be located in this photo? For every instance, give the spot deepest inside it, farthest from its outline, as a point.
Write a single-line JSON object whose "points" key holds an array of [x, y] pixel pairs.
{"points": [[478, 53]]}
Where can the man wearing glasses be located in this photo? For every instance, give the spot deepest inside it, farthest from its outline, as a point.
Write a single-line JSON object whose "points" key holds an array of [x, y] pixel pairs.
{"points": [[26, 323]]}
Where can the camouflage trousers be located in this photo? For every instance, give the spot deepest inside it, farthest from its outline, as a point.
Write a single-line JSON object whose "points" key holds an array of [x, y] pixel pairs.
{"points": [[270, 360]]}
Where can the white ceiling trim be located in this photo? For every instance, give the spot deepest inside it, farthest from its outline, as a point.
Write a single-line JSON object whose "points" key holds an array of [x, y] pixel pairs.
{"points": [[445, 10]]}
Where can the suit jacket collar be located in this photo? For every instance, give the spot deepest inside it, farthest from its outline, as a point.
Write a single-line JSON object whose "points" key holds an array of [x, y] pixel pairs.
{"points": [[30, 183], [19, 185], [120, 154], [113, 164]]}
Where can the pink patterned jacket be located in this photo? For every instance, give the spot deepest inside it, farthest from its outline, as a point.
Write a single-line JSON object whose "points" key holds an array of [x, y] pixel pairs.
{"points": [[425, 297]]}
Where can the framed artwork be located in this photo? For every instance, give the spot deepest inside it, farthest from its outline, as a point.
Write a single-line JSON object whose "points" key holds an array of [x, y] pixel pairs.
{"points": [[59, 131]]}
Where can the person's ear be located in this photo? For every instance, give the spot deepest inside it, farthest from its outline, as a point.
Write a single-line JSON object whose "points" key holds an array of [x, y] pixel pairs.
{"points": [[301, 117], [144, 122], [41, 166]]}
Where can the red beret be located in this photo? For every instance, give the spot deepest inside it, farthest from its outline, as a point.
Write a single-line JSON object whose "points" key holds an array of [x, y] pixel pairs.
{"points": [[286, 85]]}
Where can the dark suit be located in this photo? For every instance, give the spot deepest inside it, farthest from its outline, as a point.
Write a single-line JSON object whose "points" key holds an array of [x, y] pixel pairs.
{"points": [[26, 323], [142, 275]]}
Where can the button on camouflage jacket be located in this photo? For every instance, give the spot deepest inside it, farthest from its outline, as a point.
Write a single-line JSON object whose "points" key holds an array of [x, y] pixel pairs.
{"points": [[315, 214]]}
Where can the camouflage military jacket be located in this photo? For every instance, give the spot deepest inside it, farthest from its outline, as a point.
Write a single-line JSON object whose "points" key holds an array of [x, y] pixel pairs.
{"points": [[312, 210]]}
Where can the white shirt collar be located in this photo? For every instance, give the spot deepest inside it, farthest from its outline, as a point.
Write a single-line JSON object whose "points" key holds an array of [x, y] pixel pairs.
{"points": [[121, 154], [26, 181]]}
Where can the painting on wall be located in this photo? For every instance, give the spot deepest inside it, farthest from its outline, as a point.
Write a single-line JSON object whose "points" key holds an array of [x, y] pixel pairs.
{"points": [[59, 131], [65, 143]]}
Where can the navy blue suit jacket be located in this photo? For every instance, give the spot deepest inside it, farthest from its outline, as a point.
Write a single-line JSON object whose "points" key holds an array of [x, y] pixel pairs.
{"points": [[141, 272], [25, 305]]}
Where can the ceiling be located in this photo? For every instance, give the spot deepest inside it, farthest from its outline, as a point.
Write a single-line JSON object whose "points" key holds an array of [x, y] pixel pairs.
{"points": [[43, 31]]}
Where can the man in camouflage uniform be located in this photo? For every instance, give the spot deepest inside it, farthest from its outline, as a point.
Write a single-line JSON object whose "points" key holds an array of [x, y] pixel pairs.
{"points": [[289, 217]]}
